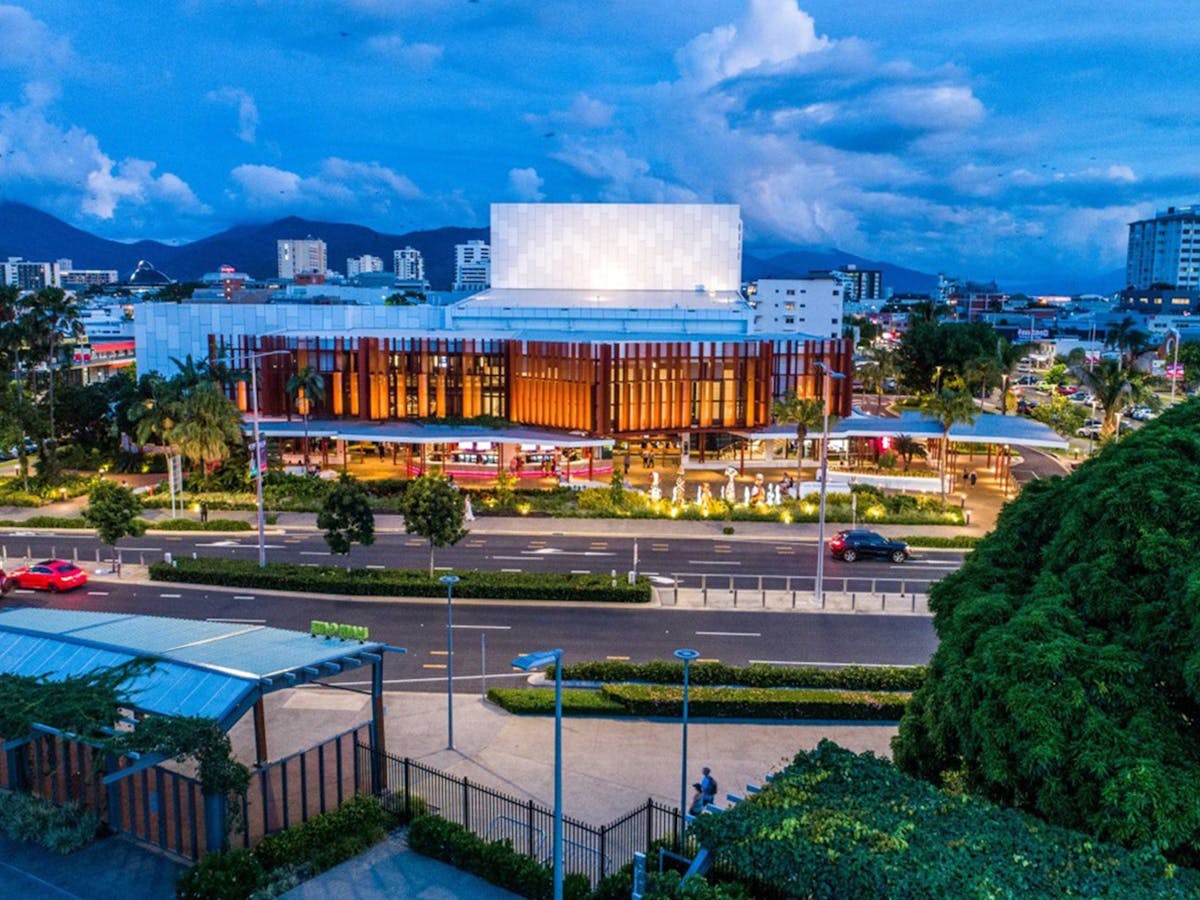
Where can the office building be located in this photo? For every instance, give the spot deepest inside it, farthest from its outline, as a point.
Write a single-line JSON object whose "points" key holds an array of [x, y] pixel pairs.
{"points": [[301, 257], [1164, 252], [29, 276], [472, 266], [810, 305]]}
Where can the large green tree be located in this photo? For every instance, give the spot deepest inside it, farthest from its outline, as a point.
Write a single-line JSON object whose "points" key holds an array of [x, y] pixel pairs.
{"points": [[1067, 677], [346, 517], [434, 509], [209, 423], [879, 369], [113, 511], [933, 353], [807, 414], [52, 318]]}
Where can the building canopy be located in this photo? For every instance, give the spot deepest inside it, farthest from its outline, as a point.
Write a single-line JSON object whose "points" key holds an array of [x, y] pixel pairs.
{"points": [[988, 428], [212, 669]]}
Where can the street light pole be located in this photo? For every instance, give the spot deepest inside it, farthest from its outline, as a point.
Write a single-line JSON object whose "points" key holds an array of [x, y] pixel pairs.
{"points": [[686, 655], [527, 663], [449, 581], [1175, 367], [830, 375], [258, 459]]}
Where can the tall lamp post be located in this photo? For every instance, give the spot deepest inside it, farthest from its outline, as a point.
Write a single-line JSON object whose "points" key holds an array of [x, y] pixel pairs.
{"points": [[449, 581], [686, 655], [528, 663], [830, 375], [259, 460]]}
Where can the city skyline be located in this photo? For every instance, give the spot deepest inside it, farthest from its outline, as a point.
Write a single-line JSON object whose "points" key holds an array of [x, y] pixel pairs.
{"points": [[1013, 143]]}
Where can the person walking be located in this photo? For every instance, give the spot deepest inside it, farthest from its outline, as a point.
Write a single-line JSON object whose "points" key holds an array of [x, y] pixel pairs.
{"points": [[203, 513], [706, 791]]}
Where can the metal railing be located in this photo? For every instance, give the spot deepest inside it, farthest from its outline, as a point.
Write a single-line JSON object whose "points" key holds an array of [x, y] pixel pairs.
{"points": [[594, 851], [753, 590]]}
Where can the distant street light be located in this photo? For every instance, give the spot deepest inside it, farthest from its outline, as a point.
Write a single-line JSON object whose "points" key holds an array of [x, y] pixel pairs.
{"points": [[828, 400], [528, 663], [259, 458], [449, 581], [686, 655]]}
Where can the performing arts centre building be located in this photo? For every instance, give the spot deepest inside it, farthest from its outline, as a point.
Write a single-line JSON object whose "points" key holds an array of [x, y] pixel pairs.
{"points": [[603, 323]]}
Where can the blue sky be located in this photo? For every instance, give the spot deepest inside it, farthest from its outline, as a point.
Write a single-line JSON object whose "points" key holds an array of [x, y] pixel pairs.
{"points": [[1012, 140]]}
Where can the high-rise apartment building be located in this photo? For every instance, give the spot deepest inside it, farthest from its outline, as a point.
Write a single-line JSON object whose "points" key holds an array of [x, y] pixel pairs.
{"points": [[29, 276], [1165, 250], [409, 264], [359, 265], [301, 256], [472, 266]]}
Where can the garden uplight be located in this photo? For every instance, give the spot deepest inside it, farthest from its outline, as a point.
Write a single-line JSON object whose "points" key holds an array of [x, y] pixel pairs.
{"points": [[875, 511]]}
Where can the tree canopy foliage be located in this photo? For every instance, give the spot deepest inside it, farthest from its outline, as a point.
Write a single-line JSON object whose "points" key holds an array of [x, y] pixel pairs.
{"points": [[1067, 680], [346, 517], [434, 509], [834, 824], [932, 352]]}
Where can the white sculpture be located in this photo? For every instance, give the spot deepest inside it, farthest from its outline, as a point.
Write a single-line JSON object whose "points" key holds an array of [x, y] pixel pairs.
{"points": [[655, 490], [730, 491]]}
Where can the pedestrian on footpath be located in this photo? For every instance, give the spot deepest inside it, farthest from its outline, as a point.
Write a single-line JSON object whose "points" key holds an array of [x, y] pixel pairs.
{"points": [[203, 513], [706, 792]]}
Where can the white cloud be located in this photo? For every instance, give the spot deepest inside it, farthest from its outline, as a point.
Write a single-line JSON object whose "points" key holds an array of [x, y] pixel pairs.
{"points": [[774, 33], [338, 182], [67, 166], [394, 47], [932, 108], [586, 112], [30, 45], [247, 110], [525, 184]]}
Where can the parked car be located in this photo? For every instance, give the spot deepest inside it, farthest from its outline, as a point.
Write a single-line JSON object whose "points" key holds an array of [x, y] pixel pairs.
{"points": [[859, 543], [1142, 413], [1082, 397], [1028, 380], [1066, 390], [52, 575], [1088, 431], [6, 583]]}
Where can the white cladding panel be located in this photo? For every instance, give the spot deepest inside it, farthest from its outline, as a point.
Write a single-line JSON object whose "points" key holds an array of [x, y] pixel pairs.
{"points": [[616, 246]]}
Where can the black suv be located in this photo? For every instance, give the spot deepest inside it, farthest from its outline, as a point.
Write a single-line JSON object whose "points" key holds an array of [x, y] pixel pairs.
{"points": [[859, 543]]}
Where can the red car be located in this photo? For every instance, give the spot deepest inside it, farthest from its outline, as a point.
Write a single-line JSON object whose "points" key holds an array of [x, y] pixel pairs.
{"points": [[52, 575]]}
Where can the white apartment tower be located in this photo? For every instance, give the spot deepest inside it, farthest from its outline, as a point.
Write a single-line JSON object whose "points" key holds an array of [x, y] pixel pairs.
{"points": [[409, 264], [798, 306], [29, 276], [1165, 250], [472, 266], [359, 265], [299, 256]]}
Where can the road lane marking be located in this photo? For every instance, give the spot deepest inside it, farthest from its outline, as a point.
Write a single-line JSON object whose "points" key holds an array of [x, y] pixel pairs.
{"points": [[660, 548], [243, 596], [618, 658], [314, 553], [730, 633], [486, 627], [433, 666], [722, 548], [170, 596], [512, 570], [438, 653], [714, 562], [581, 571], [142, 549], [417, 542], [97, 593], [443, 568], [22, 591], [376, 567], [238, 621]]}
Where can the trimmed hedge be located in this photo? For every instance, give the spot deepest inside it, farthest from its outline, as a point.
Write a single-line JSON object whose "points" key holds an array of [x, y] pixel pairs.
{"points": [[859, 678], [494, 861], [287, 857], [835, 824], [400, 582], [194, 525], [955, 542], [46, 522], [717, 703]]}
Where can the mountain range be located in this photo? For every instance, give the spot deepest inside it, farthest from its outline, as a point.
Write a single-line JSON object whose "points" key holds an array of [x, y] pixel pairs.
{"points": [[36, 235]]}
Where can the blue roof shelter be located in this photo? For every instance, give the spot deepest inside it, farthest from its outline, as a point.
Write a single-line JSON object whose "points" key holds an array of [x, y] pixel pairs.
{"points": [[217, 670]]}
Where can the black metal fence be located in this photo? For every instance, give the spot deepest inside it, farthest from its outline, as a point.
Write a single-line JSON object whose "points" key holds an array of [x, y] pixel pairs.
{"points": [[595, 851]]}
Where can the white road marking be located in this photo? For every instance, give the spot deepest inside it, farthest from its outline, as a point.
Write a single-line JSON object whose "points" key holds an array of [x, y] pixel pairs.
{"points": [[486, 627], [243, 596], [581, 571], [714, 562], [170, 596], [555, 551], [141, 549], [314, 553], [376, 567], [238, 621], [730, 633], [505, 570], [97, 593]]}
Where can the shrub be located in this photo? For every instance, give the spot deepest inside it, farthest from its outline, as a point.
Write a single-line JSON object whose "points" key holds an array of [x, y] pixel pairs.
{"points": [[536, 701], [63, 829], [328, 839], [194, 525], [230, 875], [46, 522], [400, 582], [960, 541]]}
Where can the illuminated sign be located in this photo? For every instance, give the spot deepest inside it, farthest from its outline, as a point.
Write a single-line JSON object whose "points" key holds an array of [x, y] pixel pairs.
{"points": [[339, 630]]}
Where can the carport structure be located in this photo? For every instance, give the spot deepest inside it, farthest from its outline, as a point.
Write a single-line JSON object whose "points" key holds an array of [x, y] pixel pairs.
{"points": [[216, 670]]}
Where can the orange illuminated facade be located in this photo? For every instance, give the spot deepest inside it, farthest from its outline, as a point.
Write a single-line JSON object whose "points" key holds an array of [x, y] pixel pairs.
{"points": [[602, 388]]}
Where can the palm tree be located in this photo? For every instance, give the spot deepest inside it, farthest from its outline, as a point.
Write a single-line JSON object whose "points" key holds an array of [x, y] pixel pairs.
{"points": [[948, 407], [1129, 340], [908, 447], [806, 413], [305, 388], [12, 344], [156, 412], [879, 370], [209, 423], [51, 316], [1114, 387]]}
